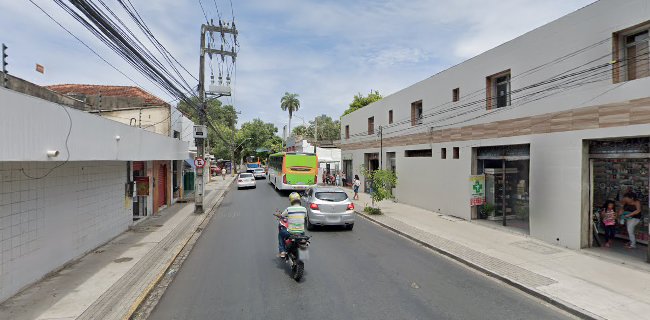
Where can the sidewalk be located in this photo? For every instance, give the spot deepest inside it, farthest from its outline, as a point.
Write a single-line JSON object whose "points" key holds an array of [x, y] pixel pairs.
{"points": [[577, 281], [111, 281]]}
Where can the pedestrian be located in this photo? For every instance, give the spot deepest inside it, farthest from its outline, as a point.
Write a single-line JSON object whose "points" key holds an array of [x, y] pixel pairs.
{"points": [[223, 173], [356, 183], [629, 213], [343, 178], [338, 179], [608, 216]]}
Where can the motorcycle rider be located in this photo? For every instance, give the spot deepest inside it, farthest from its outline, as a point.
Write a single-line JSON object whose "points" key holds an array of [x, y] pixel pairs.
{"points": [[295, 215]]}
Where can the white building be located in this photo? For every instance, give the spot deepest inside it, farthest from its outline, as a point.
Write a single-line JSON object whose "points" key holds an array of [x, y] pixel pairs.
{"points": [[66, 182], [565, 108]]}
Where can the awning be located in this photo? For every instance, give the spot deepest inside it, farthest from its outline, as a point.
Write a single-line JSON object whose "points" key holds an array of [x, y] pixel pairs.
{"points": [[190, 162]]}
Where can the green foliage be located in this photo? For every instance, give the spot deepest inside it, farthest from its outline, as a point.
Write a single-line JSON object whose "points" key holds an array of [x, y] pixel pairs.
{"points": [[300, 131], [328, 129], [383, 181], [290, 102], [371, 210], [258, 134], [487, 210], [360, 101]]}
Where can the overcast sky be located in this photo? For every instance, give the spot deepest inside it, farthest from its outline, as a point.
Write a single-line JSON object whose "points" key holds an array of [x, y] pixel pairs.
{"points": [[326, 51]]}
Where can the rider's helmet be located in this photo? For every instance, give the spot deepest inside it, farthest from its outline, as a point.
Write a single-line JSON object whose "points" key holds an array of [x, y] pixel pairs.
{"points": [[294, 197]]}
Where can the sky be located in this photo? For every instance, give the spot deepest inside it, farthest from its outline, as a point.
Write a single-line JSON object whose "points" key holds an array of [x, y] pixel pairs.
{"points": [[325, 51]]}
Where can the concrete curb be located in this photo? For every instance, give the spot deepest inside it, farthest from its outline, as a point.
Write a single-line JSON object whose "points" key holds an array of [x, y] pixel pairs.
{"points": [[561, 304], [187, 244]]}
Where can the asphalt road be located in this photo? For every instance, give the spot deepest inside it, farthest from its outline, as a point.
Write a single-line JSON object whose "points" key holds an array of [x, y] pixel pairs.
{"points": [[367, 273]]}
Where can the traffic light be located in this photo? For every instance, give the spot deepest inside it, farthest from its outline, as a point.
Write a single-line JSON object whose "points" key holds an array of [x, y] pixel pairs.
{"points": [[4, 58]]}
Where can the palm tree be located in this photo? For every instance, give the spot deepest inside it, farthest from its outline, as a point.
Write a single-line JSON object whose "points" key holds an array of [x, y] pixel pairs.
{"points": [[291, 103]]}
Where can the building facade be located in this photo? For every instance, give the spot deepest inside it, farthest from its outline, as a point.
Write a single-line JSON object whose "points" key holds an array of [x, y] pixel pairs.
{"points": [[555, 121], [137, 108], [67, 183]]}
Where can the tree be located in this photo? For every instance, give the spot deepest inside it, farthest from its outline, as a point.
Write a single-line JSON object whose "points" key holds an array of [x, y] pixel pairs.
{"points": [[255, 135], [290, 102], [300, 131], [325, 127], [360, 101], [382, 183]]}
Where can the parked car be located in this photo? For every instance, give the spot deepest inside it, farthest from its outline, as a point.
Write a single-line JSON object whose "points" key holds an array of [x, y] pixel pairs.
{"points": [[328, 206], [259, 173], [246, 180]]}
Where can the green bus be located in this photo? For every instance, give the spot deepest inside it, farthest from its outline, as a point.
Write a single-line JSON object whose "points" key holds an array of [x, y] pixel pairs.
{"points": [[293, 171]]}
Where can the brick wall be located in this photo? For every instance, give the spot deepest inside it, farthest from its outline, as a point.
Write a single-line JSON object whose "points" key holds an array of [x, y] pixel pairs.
{"points": [[45, 223]]}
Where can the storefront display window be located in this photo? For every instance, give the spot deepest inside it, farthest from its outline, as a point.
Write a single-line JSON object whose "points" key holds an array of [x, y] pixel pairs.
{"points": [[506, 170]]}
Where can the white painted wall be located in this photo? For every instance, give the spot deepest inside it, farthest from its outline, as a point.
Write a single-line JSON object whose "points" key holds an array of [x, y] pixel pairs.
{"points": [[591, 25], [30, 126], [45, 223]]}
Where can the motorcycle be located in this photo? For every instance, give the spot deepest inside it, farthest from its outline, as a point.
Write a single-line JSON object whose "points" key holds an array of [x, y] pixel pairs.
{"points": [[297, 251]]}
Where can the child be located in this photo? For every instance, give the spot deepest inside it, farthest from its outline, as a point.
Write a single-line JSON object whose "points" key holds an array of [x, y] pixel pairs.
{"points": [[608, 216]]}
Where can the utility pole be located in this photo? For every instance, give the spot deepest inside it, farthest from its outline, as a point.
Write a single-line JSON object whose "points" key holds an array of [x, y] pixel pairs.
{"points": [[5, 78], [219, 91], [381, 148]]}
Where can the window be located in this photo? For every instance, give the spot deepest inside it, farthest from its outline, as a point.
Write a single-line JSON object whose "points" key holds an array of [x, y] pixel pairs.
{"points": [[498, 90], [371, 125], [390, 116], [636, 55], [416, 113], [418, 153], [347, 132], [455, 95], [331, 196], [630, 51], [177, 135], [456, 153], [443, 153]]}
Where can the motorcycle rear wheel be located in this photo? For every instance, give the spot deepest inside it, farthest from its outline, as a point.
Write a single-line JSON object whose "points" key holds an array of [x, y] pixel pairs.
{"points": [[298, 270]]}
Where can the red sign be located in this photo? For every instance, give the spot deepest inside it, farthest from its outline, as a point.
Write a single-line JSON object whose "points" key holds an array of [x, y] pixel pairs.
{"points": [[199, 163], [141, 186]]}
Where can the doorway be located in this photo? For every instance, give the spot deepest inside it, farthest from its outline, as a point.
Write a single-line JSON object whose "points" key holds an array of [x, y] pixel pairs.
{"points": [[617, 167], [371, 164], [507, 180]]}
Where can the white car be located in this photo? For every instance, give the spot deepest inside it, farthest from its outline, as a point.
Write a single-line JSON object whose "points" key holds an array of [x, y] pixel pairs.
{"points": [[246, 180], [259, 173]]}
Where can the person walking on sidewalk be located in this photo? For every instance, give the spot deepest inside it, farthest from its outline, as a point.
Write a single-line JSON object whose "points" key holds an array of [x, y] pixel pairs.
{"points": [[223, 173], [608, 216], [629, 213], [355, 186]]}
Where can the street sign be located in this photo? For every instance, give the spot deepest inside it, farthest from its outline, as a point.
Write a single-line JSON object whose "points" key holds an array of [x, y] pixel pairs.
{"points": [[199, 163], [200, 131], [477, 190]]}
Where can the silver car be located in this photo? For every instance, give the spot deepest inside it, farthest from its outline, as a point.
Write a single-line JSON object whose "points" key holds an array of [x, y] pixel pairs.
{"points": [[328, 206], [245, 180], [259, 173]]}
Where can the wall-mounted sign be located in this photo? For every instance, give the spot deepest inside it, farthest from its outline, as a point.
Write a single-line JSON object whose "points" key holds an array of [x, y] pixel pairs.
{"points": [[477, 190], [142, 186]]}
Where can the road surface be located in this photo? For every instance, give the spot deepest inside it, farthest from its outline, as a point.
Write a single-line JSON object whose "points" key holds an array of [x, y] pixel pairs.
{"points": [[367, 273]]}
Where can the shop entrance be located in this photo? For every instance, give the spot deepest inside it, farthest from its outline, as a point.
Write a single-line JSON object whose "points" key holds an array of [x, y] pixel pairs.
{"points": [[506, 170], [371, 164], [618, 167]]}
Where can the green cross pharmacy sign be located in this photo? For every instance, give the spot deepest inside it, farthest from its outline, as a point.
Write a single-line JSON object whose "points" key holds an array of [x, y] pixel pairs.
{"points": [[477, 190]]}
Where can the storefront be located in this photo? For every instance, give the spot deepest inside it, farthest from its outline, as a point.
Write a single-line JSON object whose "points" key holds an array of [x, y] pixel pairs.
{"points": [[618, 167], [506, 171], [141, 180]]}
